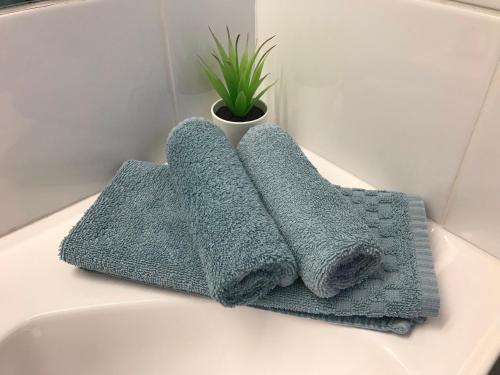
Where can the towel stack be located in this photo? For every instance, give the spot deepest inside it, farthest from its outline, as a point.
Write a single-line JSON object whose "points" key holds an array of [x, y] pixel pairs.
{"points": [[259, 226]]}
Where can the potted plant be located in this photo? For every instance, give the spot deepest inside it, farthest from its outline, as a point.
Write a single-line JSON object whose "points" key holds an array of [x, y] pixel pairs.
{"points": [[240, 106]]}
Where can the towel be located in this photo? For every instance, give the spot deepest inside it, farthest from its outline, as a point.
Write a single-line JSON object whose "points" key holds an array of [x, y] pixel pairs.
{"points": [[334, 247], [141, 228], [243, 254]]}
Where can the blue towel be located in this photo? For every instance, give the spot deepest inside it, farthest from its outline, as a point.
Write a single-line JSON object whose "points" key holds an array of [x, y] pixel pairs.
{"points": [[142, 228], [243, 254], [334, 247]]}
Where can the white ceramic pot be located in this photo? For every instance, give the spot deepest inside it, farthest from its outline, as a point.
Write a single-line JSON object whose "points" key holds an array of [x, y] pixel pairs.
{"points": [[235, 130]]}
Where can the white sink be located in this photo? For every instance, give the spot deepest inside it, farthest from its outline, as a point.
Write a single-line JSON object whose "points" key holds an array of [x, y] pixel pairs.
{"points": [[184, 336], [56, 319]]}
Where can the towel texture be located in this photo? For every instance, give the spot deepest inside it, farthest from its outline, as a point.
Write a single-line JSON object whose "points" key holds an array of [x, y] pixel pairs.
{"points": [[332, 243], [242, 251], [142, 227]]}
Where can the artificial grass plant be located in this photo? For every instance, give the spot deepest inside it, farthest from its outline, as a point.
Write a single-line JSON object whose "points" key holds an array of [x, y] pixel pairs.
{"points": [[241, 73]]}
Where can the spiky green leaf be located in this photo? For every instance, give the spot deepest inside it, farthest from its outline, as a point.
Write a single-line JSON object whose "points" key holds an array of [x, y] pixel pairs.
{"points": [[241, 106], [220, 48], [259, 95], [240, 72]]}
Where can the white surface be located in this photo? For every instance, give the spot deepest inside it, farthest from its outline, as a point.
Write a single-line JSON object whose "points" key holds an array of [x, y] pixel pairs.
{"points": [[63, 320], [83, 88], [390, 90], [474, 209]]}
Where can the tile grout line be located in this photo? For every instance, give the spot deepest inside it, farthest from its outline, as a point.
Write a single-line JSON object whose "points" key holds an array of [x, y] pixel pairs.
{"points": [[475, 6], [452, 190], [168, 58], [464, 5]]}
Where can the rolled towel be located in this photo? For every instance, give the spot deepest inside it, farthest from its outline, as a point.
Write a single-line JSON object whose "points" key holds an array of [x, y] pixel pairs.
{"points": [[334, 247], [242, 251]]}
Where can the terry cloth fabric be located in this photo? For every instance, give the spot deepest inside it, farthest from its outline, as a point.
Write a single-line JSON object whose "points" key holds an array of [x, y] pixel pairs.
{"points": [[141, 229], [243, 254], [333, 245]]}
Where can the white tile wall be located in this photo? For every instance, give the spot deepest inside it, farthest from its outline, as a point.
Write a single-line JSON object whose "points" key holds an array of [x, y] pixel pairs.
{"points": [[388, 89], [474, 208], [83, 87], [188, 36]]}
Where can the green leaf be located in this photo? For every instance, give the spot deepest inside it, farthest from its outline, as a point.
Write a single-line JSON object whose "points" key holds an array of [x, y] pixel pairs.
{"points": [[238, 75], [241, 105], [215, 81], [230, 47], [254, 55], [222, 53], [259, 95], [253, 88], [255, 80], [219, 87], [263, 58], [229, 77], [236, 62], [244, 58]]}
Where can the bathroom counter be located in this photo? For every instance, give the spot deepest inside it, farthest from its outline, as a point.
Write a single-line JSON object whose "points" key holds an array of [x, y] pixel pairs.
{"points": [[51, 310]]}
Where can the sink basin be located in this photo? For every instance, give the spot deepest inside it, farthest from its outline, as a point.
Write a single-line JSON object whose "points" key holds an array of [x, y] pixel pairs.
{"points": [[184, 336], [56, 319]]}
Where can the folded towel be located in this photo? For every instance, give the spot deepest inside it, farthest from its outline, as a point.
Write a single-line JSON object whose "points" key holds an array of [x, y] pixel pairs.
{"points": [[244, 256], [140, 228], [332, 244]]}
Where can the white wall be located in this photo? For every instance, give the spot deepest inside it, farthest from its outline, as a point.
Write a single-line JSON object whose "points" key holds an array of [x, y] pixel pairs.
{"points": [[474, 208], [392, 90], [402, 93], [85, 85], [188, 36]]}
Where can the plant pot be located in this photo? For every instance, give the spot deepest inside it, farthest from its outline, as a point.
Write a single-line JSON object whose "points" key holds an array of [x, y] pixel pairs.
{"points": [[235, 130]]}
